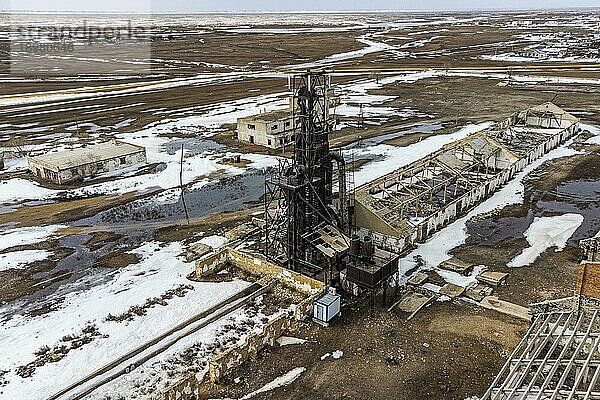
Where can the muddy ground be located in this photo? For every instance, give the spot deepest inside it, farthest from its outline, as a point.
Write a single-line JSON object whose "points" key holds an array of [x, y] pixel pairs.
{"points": [[558, 187], [450, 351]]}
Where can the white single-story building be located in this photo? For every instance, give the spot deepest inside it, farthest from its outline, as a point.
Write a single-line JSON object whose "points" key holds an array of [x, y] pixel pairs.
{"points": [[88, 161]]}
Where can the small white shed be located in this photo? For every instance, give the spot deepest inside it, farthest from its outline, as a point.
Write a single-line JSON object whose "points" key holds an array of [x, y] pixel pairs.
{"points": [[326, 307]]}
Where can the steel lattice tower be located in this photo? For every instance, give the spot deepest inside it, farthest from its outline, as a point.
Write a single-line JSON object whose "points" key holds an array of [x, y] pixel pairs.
{"points": [[298, 198]]}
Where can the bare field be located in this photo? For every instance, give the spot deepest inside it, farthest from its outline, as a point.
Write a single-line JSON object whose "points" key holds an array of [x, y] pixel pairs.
{"points": [[401, 78]]}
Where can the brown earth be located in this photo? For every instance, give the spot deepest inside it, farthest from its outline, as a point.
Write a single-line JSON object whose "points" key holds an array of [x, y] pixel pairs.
{"points": [[384, 355], [451, 352], [63, 211]]}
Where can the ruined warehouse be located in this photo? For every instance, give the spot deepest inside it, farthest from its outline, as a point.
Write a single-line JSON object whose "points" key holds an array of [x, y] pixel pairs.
{"points": [[84, 162], [409, 204]]}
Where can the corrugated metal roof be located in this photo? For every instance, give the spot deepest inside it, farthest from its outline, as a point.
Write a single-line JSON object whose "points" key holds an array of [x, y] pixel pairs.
{"points": [[86, 155]]}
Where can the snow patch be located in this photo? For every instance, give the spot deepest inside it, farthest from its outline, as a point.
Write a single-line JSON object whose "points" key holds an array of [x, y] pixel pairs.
{"points": [[283, 380], [27, 236], [288, 340], [394, 157], [337, 354], [159, 270], [17, 189], [546, 232], [214, 241], [437, 248], [594, 130], [21, 259]]}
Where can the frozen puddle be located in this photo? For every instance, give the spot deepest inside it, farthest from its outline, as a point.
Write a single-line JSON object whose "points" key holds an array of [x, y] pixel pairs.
{"points": [[544, 233]]}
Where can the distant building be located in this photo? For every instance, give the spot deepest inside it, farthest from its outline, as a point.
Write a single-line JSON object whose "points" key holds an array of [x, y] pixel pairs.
{"points": [[83, 162], [273, 129]]}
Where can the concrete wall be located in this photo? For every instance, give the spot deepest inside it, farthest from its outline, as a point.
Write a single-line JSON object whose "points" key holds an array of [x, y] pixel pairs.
{"points": [[259, 267], [274, 134], [186, 389], [189, 388], [255, 342], [588, 280], [591, 248], [211, 264], [365, 218]]}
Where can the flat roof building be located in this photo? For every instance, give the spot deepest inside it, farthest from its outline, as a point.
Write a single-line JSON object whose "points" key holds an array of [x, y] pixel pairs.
{"points": [[274, 129], [84, 162]]}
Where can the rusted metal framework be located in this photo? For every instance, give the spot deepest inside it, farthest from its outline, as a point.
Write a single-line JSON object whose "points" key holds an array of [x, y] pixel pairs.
{"points": [[299, 198], [558, 359]]}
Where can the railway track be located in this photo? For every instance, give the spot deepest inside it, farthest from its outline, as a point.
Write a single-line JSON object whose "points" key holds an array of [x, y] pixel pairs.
{"points": [[128, 362]]}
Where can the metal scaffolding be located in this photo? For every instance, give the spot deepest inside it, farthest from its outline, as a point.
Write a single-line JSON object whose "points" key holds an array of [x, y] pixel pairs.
{"points": [[299, 197]]}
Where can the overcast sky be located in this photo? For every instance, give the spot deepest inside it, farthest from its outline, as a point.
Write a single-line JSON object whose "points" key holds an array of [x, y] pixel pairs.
{"points": [[282, 5]]}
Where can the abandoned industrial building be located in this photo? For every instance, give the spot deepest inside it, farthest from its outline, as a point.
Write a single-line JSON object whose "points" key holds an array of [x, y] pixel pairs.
{"points": [[273, 129], [407, 205], [295, 205], [276, 129], [84, 162]]}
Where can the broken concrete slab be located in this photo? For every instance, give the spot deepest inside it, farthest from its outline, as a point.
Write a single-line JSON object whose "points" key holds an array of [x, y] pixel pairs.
{"points": [[478, 291], [458, 266], [451, 290], [412, 302], [196, 251], [418, 279], [493, 278], [505, 307], [239, 232]]}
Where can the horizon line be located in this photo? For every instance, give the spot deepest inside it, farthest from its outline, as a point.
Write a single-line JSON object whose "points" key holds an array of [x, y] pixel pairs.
{"points": [[175, 12]]}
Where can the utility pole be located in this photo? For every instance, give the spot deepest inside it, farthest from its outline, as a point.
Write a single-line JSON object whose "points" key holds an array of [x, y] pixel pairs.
{"points": [[187, 216]]}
